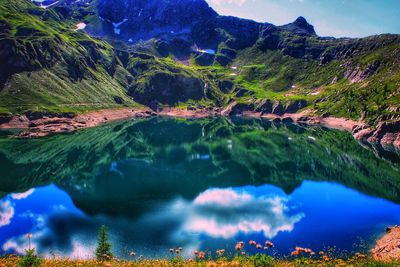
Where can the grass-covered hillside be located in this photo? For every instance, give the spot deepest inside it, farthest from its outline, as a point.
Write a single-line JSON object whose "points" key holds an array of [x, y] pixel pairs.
{"points": [[352, 78], [47, 65]]}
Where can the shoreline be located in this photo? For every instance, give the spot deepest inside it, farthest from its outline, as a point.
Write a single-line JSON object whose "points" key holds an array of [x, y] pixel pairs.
{"points": [[384, 253], [39, 125]]}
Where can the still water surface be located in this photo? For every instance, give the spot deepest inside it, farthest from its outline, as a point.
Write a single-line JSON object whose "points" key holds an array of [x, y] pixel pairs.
{"points": [[197, 184]]}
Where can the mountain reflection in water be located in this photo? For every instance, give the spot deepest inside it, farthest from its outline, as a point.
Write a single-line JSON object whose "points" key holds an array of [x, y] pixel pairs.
{"points": [[199, 184]]}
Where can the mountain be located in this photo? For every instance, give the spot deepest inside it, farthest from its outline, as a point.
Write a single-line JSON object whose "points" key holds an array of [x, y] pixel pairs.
{"points": [[72, 56]]}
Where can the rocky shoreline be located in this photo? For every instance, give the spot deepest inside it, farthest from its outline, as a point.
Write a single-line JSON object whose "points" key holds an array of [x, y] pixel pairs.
{"points": [[387, 248], [37, 124]]}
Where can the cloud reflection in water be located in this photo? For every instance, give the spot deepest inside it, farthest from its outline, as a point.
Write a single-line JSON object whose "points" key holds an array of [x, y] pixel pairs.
{"points": [[60, 228], [225, 213]]}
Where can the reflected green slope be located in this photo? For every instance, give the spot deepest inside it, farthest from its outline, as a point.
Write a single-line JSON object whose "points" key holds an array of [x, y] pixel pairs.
{"points": [[149, 160]]}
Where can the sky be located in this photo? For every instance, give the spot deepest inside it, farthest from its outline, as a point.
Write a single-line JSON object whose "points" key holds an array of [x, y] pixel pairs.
{"points": [[338, 18]]}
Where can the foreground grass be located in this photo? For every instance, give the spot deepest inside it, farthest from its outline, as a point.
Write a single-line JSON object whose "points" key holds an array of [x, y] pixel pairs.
{"points": [[258, 260]]}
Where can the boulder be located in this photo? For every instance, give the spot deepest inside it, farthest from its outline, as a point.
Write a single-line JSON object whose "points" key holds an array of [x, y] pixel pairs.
{"points": [[5, 119], [265, 106], [294, 106], [239, 108], [118, 100], [277, 108], [204, 59]]}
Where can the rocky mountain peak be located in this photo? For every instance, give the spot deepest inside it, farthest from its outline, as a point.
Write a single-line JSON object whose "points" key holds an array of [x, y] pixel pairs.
{"points": [[168, 11], [300, 26]]}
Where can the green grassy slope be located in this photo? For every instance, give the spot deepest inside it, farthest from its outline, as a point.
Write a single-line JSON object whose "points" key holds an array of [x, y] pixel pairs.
{"points": [[46, 65], [49, 66], [329, 86]]}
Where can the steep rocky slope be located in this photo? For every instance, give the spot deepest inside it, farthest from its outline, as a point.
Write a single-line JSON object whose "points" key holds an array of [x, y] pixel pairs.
{"points": [[45, 64]]}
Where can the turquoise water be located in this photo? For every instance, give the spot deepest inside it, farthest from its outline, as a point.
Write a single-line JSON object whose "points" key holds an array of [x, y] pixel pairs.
{"points": [[197, 184]]}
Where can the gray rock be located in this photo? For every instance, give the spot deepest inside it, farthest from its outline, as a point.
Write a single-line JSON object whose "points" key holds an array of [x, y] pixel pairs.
{"points": [[277, 108], [294, 106]]}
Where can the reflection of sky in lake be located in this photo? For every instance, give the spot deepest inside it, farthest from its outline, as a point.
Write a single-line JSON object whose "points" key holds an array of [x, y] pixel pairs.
{"points": [[314, 215]]}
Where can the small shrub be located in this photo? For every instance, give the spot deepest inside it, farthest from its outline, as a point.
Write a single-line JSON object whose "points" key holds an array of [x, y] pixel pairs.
{"points": [[262, 260], [30, 259]]}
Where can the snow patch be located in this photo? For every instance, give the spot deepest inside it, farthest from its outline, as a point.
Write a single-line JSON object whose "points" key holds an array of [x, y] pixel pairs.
{"points": [[206, 51], [40, 3], [80, 26], [116, 26]]}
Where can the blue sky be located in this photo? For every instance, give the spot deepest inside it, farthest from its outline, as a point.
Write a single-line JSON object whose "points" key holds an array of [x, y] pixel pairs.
{"points": [[339, 18]]}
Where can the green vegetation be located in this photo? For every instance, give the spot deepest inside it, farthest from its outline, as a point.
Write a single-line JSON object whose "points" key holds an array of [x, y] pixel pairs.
{"points": [[235, 262], [46, 65], [103, 250], [343, 87], [30, 259]]}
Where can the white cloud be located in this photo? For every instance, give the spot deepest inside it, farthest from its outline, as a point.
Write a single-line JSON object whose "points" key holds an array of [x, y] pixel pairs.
{"points": [[12, 245], [6, 213], [221, 197], [226, 213], [80, 248], [24, 195]]}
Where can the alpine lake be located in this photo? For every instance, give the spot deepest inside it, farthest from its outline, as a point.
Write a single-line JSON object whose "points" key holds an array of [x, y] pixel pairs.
{"points": [[201, 184]]}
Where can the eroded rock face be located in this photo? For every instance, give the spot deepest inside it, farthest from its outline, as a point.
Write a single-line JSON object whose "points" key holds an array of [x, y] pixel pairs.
{"points": [[387, 133], [277, 108], [5, 119], [265, 106], [294, 106], [150, 18], [358, 74], [388, 247], [167, 88], [239, 108]]}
